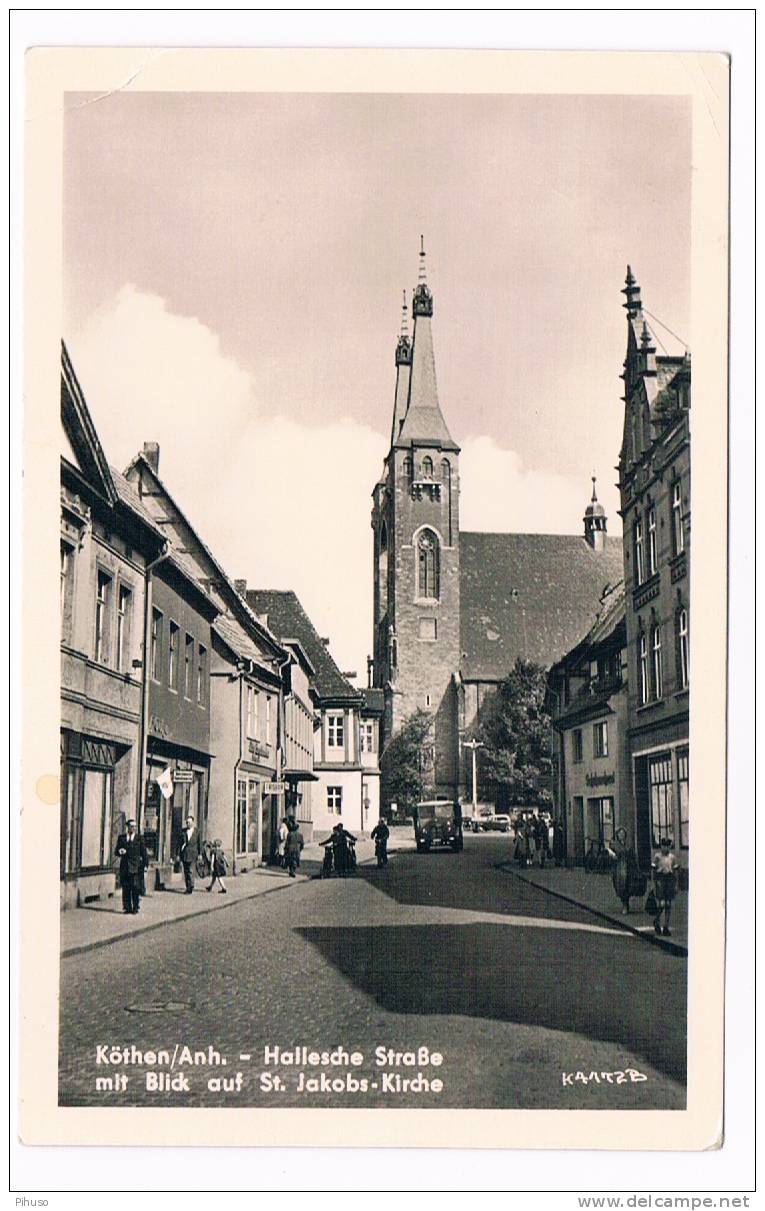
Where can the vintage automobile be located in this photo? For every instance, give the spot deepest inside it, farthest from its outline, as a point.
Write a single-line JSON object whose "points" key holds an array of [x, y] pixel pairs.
{"points": [[438, 822], [499, 823]]}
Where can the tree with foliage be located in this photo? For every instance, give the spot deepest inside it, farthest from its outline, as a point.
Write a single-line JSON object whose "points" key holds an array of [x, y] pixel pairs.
{"points": [[515, 729], [406, 764]]}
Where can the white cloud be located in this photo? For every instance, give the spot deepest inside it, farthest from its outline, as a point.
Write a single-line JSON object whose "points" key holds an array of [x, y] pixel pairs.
{"points": [[282, 504]]}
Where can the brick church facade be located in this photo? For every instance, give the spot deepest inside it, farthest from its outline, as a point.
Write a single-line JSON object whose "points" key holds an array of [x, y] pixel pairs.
{"points": [[454, 610]]}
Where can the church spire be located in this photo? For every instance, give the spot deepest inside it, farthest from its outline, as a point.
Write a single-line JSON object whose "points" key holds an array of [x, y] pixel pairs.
{"points": [[403, 371], [595, 521], [424, 423]]}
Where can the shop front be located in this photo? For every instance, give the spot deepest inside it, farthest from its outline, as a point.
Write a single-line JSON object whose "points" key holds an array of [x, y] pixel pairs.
{"points": [[176, 787], [662, 798]]}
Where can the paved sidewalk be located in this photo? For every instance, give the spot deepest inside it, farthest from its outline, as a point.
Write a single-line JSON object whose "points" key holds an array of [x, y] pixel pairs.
{"points": [[104, 922], [596, 893]]}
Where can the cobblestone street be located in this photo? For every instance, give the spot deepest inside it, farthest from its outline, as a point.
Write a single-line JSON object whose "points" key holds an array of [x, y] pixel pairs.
{"points": [[529, 1000]]}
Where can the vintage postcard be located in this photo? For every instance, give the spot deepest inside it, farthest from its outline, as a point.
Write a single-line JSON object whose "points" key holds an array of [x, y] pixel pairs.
{"points": [[375, 708]]}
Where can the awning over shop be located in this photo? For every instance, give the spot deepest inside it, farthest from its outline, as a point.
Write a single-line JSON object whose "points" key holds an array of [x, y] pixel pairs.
{"points": [[300, 775]]}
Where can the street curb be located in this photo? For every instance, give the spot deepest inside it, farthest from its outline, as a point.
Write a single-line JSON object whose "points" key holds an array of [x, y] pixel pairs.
{"points": [[200, 912], [652, 938]]}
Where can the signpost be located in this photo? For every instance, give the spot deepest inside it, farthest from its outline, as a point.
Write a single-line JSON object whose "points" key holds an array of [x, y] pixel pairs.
{"points": [[273, 788], [183, 775]]}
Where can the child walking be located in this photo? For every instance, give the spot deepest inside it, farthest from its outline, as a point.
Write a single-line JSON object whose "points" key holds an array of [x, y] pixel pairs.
{"points": [[664, 866], [218, 866]]}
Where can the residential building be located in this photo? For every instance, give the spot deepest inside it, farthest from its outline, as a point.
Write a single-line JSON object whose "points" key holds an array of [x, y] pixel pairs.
{"points": [[245, 666], [592, 790], [107, 543], [342, 777], [655, 490]]}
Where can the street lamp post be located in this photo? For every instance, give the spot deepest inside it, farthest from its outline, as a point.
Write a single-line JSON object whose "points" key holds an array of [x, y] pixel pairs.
{"points": [[474, 745]]}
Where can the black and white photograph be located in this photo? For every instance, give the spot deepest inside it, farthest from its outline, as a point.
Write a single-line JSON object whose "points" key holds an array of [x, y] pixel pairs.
{"points": [[378, 471]]}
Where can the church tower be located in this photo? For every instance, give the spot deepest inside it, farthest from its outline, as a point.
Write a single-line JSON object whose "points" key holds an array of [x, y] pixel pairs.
{"points": [[415, 519]]}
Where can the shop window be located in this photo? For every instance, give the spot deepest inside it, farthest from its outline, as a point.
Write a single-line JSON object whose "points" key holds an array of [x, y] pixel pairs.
{"points": [[172, 655], [682, 648], [96, 824], [241, 816], [428, 570], [652, 555], [156, 644], [600, 738], [335, 731], [656, 661], [428, 629], [682, 782], [188, 665], [660, 784], [576, 745], [678, 528], [103, 598], [124, 620], [253, 802], [335, 800]]}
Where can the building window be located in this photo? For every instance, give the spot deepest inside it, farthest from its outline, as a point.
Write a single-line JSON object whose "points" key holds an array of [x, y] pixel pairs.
{"points": [[427, 468], [367, 736], [428, 628], [428, 566], [156, 644], [335, 800], [201, 674], [269, 720], [605, 810], [103, 594], [124, 610], [656, 657], [678, 529], [652, 560], [67, 582], [172, 656], [188, 665], [251, 713], [682, 780], [335, 731], [682, 647], [660, 783], [600, 738], [408, 468], [643, 668], [639, 553], [576, 745]]}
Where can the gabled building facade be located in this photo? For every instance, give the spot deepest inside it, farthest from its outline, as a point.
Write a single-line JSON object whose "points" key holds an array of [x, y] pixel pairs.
{"points": [[243, 665], [107, 542], [654, 485]]}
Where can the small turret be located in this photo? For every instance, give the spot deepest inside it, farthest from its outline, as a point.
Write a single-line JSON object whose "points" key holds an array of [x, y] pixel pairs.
{"points": [[595, 522], [631, 290], [404, 345]]}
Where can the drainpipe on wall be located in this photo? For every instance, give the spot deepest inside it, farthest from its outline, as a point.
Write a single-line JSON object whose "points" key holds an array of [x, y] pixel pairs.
{"points": [[143, 727], [241, 667]]}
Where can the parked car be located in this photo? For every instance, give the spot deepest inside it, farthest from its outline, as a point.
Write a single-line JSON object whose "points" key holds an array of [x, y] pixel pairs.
{"points": [[499, 823]]}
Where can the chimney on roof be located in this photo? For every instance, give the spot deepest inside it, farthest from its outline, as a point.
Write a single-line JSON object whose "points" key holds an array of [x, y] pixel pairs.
{"points": [[151, 454], [241, 587]]}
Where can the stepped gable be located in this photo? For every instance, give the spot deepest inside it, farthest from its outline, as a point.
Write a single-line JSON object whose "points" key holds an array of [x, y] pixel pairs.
{"points": [[288, 620], [528, 595]]}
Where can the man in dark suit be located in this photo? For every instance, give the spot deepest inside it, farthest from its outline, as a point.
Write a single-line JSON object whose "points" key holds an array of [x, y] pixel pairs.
{"points": [[134, 859], [188, 852]]}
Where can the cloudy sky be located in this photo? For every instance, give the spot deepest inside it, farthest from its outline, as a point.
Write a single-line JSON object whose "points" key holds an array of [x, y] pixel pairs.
{"points": [[233, 273]]}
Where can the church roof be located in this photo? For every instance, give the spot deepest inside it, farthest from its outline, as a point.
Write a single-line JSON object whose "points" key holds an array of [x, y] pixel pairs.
{"points": [[528, 595], [424, 423], [288, 620]]}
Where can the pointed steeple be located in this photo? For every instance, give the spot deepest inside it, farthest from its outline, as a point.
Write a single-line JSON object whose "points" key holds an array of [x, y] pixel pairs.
{"points": [[403, 371], [595, 521], [424, 423], [633, 305]]}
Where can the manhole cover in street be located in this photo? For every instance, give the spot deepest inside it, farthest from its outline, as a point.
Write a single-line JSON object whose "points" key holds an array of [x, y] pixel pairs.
{"points": [[160, 1007]]}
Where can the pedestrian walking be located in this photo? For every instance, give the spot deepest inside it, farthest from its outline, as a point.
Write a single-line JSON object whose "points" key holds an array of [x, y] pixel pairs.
{"points": [[343, 850], [281, 839], [292, 847], [664, 867], [541, 839], [218, 866], [188, 852], [134, 860], [625, 875], [380, 835]]}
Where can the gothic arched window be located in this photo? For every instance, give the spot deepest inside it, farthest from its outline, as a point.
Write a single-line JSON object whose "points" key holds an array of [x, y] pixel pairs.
{"points": [[427, 468], [428, 571], [408, 468]]}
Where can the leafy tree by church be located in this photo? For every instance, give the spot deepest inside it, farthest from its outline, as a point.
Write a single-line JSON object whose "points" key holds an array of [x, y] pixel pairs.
{"points": [[515, 729], [406, 765]]}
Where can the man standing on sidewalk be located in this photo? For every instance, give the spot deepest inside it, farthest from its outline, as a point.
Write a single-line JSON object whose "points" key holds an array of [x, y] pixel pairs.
{"points": [[189, 852], [134, 859]]}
